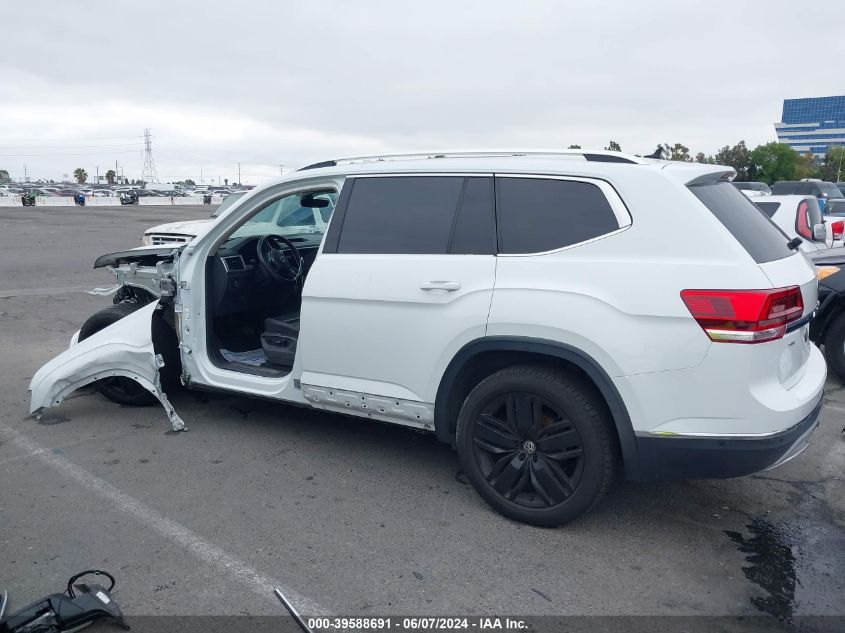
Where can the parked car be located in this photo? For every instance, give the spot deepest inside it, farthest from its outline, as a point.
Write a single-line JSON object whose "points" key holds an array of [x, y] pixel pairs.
{"points": [[841, 187], [185, 231], [828, 327], [554, 332], [801, 217], [835, 208], [753, 189], [818, 188]]}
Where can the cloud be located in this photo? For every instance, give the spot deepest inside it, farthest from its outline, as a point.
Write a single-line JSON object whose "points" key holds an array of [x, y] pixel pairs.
{"points": [[268, 83]]}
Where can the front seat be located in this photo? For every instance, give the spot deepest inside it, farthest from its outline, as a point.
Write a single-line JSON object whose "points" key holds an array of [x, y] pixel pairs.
{"points": [[279, 339]]}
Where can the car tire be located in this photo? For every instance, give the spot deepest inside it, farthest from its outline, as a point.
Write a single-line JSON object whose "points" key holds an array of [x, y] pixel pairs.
{"points": [[834, 347], [537, 444], [119, 389]]}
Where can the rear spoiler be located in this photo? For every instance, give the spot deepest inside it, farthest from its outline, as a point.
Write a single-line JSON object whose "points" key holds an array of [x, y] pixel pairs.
{"points": [[692, 174]]}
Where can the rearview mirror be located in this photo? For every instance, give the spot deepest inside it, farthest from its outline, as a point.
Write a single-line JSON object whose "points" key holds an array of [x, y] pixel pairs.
{"points": [[311, 201], [819, 232]]}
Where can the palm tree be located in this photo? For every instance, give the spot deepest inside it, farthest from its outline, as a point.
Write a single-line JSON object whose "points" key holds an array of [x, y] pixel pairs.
{"points": [[80, 174], [110, 176]]}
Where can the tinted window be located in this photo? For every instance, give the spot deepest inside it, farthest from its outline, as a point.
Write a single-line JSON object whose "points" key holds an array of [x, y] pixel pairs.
{"points": [[537, 214], [835, 207], [769, 208], [751, 227], [418, 215], [474, 231], [786, 187], [830, 189], [752, 186]]}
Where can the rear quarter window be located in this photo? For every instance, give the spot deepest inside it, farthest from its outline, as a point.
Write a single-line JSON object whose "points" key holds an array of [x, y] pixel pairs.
{"points": [[751, 227], [543, 214]]}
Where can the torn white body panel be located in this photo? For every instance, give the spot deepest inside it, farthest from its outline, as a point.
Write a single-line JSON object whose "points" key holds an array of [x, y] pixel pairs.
{"points": [[124, 348]]}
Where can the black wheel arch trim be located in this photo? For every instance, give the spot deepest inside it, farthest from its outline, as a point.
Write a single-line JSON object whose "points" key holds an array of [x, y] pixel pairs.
{"points": [[444, 427]]}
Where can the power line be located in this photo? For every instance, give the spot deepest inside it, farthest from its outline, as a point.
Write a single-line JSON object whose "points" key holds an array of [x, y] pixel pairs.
{"points": [[129, 151], [50, 147]]}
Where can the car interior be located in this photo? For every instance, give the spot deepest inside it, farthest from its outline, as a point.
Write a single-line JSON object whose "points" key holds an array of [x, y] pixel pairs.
{"points": [[254, 284]]}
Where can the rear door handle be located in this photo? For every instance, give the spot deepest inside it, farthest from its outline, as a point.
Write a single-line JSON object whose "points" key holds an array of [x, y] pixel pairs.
{"points": [[449, 286]]}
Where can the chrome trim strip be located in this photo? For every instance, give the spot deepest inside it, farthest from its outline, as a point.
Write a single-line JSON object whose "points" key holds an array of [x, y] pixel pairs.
{"points": [[740, 436]]}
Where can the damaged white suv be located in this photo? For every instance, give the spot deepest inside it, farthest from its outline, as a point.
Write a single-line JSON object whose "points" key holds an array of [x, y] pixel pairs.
{"points": [[533, 309]]}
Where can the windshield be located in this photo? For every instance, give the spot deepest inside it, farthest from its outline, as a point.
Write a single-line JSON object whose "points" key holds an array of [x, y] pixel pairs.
{"points": [[231, 199], [295, 214]]}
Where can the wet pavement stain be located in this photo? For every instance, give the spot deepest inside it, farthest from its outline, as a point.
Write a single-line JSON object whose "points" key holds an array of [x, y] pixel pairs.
{"points": [[772, 566]]}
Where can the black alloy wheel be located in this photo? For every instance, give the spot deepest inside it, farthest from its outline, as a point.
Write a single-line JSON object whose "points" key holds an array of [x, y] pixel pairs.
{"points": [[537, 444], [528, 450]]}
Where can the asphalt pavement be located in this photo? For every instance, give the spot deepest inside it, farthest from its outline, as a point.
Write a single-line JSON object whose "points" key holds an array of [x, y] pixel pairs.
{"points": [[347, 515]]}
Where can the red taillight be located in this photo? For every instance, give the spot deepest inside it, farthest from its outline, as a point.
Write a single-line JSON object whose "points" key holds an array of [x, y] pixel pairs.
{"points": [[837, 228], [802, 221], [744, 316]]}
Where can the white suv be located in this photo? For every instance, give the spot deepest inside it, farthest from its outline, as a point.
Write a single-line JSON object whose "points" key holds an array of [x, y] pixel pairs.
{"points": [[536, 310]]}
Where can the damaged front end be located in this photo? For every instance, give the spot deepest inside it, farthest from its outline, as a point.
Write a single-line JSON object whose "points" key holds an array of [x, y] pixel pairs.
{"points": [[139, 273], [127, 348]]}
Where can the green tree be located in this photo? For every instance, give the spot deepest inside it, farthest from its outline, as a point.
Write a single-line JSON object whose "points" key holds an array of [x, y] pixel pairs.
{"points": [[613, 146], [831, 169], [4, 176], [110, 176], [574, 147], [805, 166], [678, 152], [80, 174], [738, 157], [774, 161], [190, 182], [226, 181]]}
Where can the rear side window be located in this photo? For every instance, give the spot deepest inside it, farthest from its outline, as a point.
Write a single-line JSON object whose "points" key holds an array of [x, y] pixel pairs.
{"points": [[540, 214], [424, 215], [769, 208], [747, 223]]}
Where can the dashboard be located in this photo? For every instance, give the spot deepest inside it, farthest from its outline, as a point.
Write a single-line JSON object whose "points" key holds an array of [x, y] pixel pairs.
{"points": [[238, 283]]}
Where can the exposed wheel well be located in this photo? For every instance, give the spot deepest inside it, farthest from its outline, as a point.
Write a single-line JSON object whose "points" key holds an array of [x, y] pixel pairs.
{"points": [[482, 358]]}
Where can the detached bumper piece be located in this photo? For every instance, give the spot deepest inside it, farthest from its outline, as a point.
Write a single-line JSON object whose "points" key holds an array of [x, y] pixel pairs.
{"points": [[78, 607], [671, 457]]}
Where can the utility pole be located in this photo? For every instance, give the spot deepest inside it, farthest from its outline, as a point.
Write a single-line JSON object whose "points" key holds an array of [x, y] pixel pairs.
{"points": [[25, 177], [281, 170], [201, 180], [239, 174]]}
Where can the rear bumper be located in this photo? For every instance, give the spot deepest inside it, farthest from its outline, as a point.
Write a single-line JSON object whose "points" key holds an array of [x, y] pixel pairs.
{"points": [[666, 458]]}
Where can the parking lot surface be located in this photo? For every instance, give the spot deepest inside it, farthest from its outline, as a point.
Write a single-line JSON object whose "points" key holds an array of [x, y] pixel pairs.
{"points": [[348, 515]]}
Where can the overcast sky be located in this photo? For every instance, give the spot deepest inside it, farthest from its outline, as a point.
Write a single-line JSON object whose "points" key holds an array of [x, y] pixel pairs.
{"points": [[272, 82]]}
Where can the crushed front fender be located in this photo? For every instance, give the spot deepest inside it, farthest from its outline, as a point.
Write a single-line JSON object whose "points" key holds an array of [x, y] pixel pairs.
{"points": [[124, 348]]}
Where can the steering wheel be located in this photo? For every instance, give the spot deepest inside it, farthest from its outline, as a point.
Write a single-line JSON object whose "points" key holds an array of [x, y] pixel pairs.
{"points": [[279, 257]]}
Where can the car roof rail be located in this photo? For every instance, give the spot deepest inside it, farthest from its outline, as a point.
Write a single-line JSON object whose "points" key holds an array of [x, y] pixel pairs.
{"points": [[602, 156]]}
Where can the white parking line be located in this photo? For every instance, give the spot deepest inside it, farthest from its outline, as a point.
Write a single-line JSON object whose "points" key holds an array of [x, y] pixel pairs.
{"points": [[208, 553]]}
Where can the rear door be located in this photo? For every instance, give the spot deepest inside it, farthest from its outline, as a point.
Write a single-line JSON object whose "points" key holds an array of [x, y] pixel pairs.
{"points": [[404, 280]]}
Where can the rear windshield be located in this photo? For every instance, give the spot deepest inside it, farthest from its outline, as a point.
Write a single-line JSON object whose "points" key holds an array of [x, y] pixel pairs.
{"points": [[747, 223]]}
